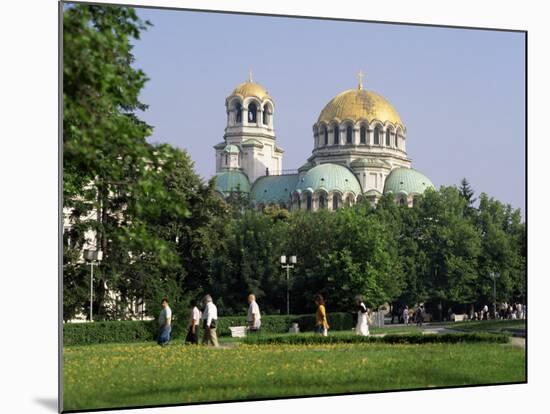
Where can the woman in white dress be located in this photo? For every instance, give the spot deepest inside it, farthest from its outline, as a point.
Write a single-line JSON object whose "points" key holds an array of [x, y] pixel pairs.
{"points": [[362, 327]]}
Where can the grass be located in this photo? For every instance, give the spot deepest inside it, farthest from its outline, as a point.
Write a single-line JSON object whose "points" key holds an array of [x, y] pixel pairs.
{"points": [[118, 375]]}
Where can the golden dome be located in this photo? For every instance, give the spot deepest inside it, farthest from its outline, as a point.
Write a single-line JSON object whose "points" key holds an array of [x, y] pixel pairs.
{"points": [[357, 104], [250, 88]]}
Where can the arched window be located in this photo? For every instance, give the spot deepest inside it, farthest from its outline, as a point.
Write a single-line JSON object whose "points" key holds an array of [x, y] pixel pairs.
{"points": [[363, 134], [349, 134], [396, 142], [239, 110], [388, 138], [322, 201], [335, 201], [252, 113], [226, 159], [377, 135], [336, 134], [308, 201], [325, 133], [402, 201], [266, 115], [348, 201]]}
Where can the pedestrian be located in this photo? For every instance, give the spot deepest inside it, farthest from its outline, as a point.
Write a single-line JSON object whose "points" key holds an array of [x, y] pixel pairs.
{"points": [[321, 324], [362, 327], [419, 315], [520, 311], [485, 312], [194, 323], [165, 323], [406, 315], [254, 317], [515, 311], [210, 319]]}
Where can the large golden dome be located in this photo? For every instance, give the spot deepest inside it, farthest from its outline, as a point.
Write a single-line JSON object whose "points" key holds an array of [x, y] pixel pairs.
{"points": [[358, 104], [250, 88]]}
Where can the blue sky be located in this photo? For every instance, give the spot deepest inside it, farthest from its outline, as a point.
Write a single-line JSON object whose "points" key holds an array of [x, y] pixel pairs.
{"points": [[459, 92]]}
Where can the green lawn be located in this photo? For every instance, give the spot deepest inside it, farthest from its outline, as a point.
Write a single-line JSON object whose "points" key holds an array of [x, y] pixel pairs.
{"points": [[116, 375]]}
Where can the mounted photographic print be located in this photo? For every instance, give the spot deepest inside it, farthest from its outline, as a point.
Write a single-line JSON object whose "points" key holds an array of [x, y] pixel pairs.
{"points": [[260, 207]]}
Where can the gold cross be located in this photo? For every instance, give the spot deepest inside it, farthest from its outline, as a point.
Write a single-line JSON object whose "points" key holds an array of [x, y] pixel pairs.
{"points": [[360, 75], [250, 75]]}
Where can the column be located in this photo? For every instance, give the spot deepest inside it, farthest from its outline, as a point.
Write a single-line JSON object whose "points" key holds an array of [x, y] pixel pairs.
{"points": [[260, 117]]}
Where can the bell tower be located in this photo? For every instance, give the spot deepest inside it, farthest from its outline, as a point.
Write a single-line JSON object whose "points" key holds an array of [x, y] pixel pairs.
{"points": [[249, 127]]}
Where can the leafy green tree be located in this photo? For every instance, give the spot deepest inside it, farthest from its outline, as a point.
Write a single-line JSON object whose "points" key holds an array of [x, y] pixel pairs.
{"points": [[114, 189], [451, 245], [250, 264], [502, 250]]}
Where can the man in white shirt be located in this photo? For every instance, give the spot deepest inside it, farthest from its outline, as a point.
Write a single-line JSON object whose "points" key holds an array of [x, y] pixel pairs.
{"points": [[194, 321], [210, 319], [254, 317], [165, 323]]}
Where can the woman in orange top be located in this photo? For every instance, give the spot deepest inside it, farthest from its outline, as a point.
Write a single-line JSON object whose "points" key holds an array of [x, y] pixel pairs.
{"points": [[321, 324]]}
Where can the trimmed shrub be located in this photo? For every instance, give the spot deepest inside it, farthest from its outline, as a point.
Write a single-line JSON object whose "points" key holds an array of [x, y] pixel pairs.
{"points": [[140, 331], [387, 339]]}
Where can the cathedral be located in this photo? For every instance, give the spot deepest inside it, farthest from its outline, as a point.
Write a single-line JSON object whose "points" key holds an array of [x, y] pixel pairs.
{"points": [[359, 152]]}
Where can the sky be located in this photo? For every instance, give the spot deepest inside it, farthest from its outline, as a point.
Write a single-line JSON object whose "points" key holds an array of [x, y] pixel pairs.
{"points": [[460, 93]]}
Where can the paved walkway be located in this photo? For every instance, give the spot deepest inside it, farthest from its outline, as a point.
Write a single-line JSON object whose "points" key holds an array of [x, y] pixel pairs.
{"points": [[519, 342]]}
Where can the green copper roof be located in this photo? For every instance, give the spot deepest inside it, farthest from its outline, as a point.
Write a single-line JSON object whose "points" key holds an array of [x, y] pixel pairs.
{"points": [[274, 188], [232, 180], [329, 177], [232, 149], [407, 181]]}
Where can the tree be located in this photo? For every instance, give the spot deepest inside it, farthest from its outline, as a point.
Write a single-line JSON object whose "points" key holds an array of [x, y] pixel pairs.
{"points": [[502, 250], [112, 186], [451, 246], [467, 193]]}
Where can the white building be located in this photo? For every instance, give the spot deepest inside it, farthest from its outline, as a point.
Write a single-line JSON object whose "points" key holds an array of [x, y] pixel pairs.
{"points": [[359, 150]]}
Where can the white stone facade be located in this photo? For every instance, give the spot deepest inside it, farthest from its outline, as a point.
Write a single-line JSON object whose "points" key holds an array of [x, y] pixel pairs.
{"points": [[250, 128]]}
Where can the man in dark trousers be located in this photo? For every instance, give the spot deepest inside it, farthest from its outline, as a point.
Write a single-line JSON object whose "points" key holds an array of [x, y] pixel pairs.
{"points": [[165, 323], [194, 321]]}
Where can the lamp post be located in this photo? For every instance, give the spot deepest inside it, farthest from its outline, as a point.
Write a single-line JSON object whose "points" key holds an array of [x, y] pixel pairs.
{"points": [[284, 265], [92, 257], [494, 276]]}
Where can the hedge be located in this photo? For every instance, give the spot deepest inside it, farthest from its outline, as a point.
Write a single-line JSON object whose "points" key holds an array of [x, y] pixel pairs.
{"points": [[387, 339], [140, 331]]}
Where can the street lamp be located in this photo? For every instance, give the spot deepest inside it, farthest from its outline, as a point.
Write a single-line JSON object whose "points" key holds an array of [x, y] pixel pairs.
{"points": [[92, 257], [494, 276], [284, 265]]}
